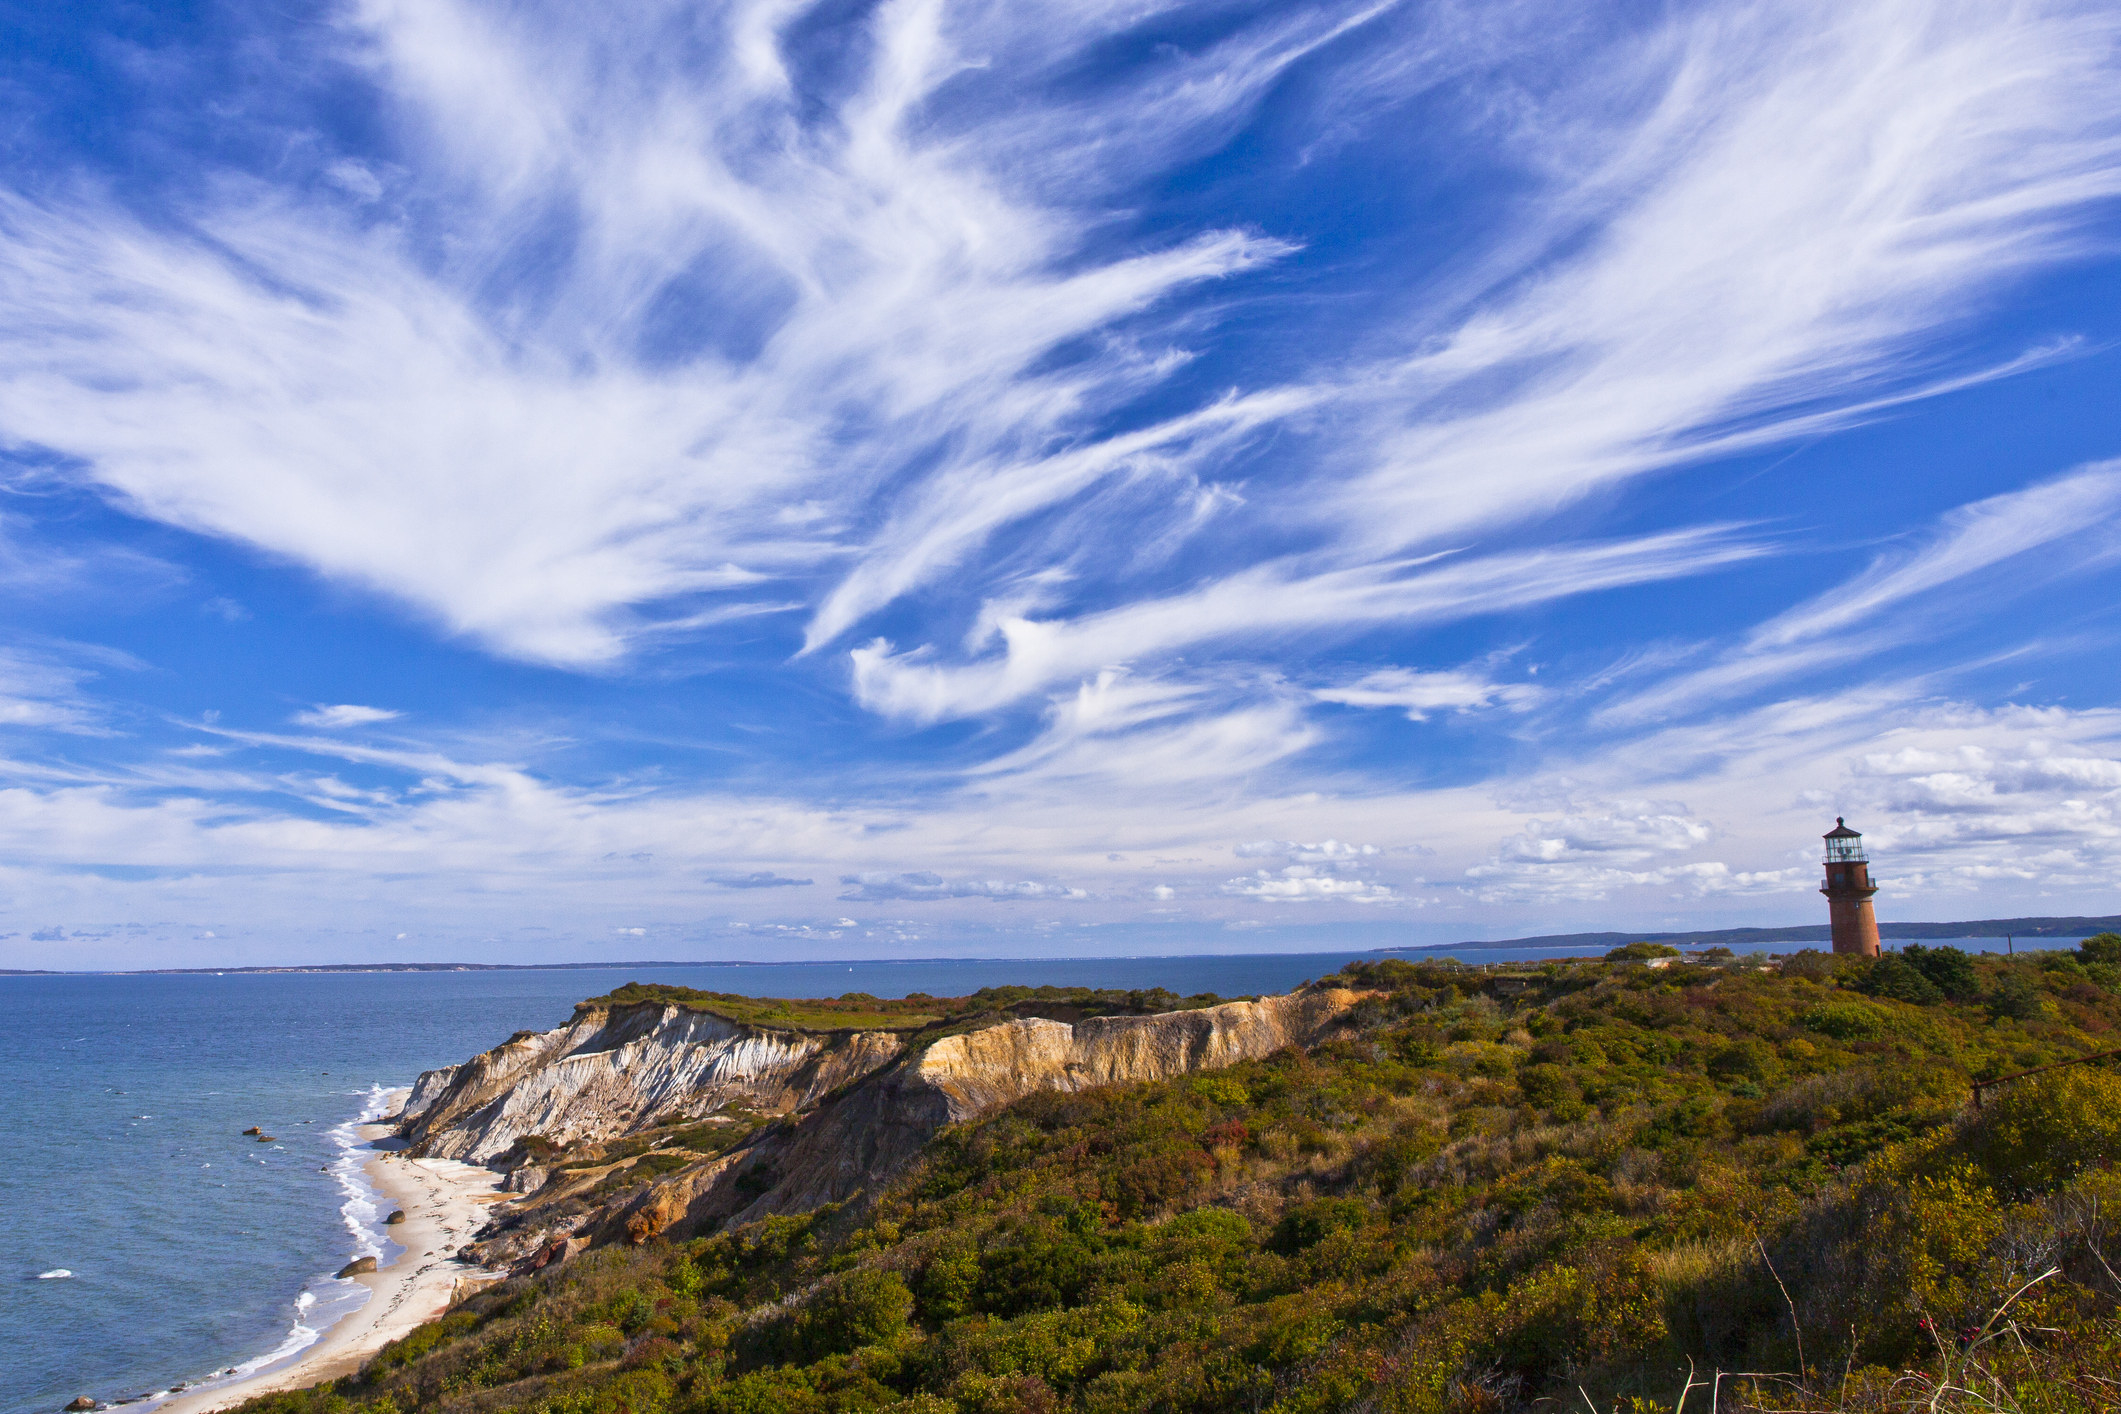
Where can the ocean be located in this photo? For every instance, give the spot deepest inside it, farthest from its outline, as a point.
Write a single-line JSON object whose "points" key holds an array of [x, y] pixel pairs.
{"points": [[146, 1241]]}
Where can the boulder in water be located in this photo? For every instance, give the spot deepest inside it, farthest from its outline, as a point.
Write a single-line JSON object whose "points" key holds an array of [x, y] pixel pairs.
{"points": [[357, 1267], [254, 1130], [83, 1402]]}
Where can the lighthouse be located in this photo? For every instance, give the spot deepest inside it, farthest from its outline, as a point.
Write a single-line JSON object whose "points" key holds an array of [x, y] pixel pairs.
{"points": [[1848, 891]]}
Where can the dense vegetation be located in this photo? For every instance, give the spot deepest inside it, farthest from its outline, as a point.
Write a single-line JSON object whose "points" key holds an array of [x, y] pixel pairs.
{"points": [[1576, 1187], [916, 1012]]}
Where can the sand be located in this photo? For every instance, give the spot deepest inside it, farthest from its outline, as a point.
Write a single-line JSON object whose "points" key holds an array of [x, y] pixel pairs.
{"points": [[445, 1202]]}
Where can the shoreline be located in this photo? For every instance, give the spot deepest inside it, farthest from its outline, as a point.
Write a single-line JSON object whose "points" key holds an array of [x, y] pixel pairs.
{"points": [[445, 1203]]}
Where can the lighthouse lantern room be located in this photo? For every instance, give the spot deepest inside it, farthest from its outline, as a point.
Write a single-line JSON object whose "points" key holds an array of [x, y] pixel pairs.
{"points": [[1848, 891]]}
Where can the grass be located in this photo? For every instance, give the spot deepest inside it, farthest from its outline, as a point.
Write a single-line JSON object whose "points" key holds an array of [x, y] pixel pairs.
{"points": [[855, 1011], [919, 1012]]}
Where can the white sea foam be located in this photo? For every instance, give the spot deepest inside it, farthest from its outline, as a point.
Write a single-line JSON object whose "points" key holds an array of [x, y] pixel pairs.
{"points": [[327, 1300], [55, 1274], [363, 1208]]}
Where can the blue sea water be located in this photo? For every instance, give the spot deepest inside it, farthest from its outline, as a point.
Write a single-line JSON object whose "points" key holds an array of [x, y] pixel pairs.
{"points": [[191, 1248], [144, 1240]]}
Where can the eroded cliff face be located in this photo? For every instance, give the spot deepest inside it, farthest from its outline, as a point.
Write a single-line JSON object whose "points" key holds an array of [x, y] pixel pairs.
{"points": [[615, 1071], [858, 1107], [868, 1132], [984, 1070]]}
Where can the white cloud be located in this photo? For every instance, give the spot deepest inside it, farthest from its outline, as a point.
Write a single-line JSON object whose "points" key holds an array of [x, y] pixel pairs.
{"points": [[1421, 693], [2050, 529], [1268, 604], [1836, 183], [1330, 852], [899, 343], [48, 689], [921, 886], [1300, 884], [755, 879], [880, 285], [342, 715]]}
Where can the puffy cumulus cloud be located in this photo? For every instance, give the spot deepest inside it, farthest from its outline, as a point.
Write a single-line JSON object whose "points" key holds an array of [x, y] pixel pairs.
{"points": [[1419, 693], [2019, 805], [1299, 883], [342, 715], [756, 879], [922, 886], [1957, 797], [1587, 881], [1628, 836], [1589, 855], [2010, 806]]}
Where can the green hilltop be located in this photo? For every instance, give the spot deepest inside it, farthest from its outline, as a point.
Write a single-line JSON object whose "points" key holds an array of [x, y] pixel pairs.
{"points": [[858, 1011], [1592, 1185]]}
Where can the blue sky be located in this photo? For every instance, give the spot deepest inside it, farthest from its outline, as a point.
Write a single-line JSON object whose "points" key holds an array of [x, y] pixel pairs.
{"points": [[766, 479]]}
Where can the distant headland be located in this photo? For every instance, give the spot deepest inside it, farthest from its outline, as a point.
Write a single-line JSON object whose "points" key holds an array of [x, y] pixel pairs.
{"points": [[1809, 933], [2029, 928]]}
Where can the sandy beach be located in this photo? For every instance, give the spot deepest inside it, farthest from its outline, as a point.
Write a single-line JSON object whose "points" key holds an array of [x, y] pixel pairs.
{"points": [[445, 1203]]}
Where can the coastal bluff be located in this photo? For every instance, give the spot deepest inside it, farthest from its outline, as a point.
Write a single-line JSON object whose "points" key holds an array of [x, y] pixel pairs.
{"points": [[662, 1113], [618, 1070]]}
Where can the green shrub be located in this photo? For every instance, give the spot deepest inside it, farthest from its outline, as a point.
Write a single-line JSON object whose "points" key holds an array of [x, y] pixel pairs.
{"points": [[1891, 975], [2019, 997], [1810, 964], [1307, 1224], [1041, 1264], [1552, 1088], [1849, 1021], [2102, 947], [1641, 952], [2035, 1135], [1491, 1243], [861, 1308], [1750, 1059], [950, 1281], [1946, 968]]}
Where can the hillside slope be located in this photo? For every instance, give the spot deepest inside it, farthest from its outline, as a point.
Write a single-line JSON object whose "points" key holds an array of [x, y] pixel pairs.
{"points": [[652, 1113], [1480, 1190]]}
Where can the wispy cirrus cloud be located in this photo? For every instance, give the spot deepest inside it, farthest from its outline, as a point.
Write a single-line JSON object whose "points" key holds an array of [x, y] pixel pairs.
{"points": [[755, 879], [1023, 384], [925, 886], [1988, 547], [1418, 693], [343, 714], [825, 334]]}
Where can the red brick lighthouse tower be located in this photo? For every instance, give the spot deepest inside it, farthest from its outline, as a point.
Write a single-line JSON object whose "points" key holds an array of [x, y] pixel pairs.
{"points": [[1848, 891]]}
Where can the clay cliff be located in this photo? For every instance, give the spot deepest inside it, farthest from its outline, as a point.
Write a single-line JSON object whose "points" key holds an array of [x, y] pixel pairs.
{"points": [[614, 1071], [852, 1107]]}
